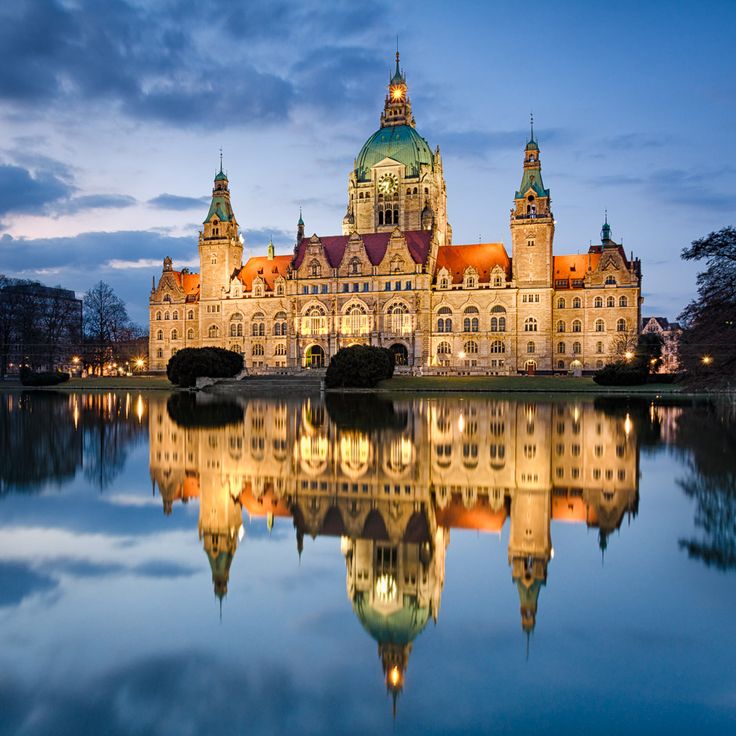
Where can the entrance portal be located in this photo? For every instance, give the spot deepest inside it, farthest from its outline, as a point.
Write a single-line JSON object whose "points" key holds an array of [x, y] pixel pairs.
{"points": [[401, 354], [314, 357]]}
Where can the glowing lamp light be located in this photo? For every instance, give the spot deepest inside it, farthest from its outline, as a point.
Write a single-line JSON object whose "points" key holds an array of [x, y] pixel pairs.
{"points": [[707, 360], [75, 359], [628, 425], [397, 93], [461, 355], [628, 355], [394, 676], [139, 363]]}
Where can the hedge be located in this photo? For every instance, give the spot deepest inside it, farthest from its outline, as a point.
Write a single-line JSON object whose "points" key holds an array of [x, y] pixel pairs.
{"points": [[359, 366], [47, 378], [189, 364], [621, 374]]}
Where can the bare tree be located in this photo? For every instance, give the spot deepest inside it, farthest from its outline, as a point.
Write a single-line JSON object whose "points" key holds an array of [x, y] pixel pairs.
{"points": [[105, 323]]}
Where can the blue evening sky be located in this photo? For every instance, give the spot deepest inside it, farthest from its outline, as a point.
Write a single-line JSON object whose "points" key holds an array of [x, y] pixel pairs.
{"points": [[112, 114]]}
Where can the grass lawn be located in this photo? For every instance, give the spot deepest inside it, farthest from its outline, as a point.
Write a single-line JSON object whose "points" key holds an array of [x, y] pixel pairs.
{"points": [[547, 384], [103, 383]]}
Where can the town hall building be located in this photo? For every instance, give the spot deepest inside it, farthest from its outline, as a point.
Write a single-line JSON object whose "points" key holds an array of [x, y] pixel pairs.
{"points": [[394, 278]]}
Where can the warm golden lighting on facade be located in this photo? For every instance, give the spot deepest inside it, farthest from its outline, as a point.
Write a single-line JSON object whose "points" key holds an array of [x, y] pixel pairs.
{"points": [[628, 425], [397, 93]]}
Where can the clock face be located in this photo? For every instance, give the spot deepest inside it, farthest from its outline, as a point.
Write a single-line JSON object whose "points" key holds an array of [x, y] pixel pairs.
{"points": [[387, 184]]}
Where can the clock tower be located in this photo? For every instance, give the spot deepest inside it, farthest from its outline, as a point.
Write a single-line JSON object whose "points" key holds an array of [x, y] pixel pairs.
{"points": [[397, 180]]}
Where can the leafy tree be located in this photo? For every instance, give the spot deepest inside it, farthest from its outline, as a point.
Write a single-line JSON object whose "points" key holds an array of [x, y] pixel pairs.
{"points": [[189, 364], [649, 351], [359, 366], [708, 341], [105, 323]]}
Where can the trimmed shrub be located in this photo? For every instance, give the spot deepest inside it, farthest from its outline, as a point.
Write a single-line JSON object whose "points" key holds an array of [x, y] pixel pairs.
{"points": [[621, 374], [188, 410], [359, 366], [46, 378], [189, 364]]}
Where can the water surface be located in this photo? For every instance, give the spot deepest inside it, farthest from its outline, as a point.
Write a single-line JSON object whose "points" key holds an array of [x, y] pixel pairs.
{"points": [[169, 565]]}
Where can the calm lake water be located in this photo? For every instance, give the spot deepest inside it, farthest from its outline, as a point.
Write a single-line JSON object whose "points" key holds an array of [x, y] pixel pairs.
{"points": [[437, 565]]}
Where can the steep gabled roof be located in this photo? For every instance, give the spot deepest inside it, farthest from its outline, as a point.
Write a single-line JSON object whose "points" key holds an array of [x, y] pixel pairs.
{"points": [[375, 246], [575, 266], [188, 282], [484, 257], [269, 269]]}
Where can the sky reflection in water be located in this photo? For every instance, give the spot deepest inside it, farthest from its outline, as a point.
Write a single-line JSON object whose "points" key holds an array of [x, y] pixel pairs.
{"points": [[486, 565]]}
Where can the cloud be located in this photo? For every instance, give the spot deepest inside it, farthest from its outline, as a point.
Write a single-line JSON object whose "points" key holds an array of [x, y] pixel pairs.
{"points": [[96, 202], [474, 143], [18, 582], [175, 202], [23, 192], [121, 265]]}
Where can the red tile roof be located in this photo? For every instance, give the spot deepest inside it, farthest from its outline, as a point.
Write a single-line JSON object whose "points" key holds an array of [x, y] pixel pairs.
{"points": [[268, 269], [375, 246], [484, 257], [189, 282], [575, 266]]}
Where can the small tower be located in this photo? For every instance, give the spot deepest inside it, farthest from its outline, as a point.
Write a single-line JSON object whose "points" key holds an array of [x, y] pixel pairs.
{"points": [[606, 232], [271, 250], [220, 247], [300, 228], [397, 108], [532, 223]]}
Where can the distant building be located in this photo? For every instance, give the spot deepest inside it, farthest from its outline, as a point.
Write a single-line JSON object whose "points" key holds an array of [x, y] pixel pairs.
{"points": [[670, 333], [394, 277], [40, 326]]}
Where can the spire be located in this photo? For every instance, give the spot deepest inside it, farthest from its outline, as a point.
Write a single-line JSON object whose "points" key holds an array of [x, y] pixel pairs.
{"points": [[532, 142], [271, 250], [397, 109], [300, 221], [606, 230]]}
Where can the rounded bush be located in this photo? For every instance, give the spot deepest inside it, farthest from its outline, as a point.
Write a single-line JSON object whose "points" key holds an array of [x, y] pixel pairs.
{"points": [[621, 374], [359, 366], [189, 364], [46, 378]]}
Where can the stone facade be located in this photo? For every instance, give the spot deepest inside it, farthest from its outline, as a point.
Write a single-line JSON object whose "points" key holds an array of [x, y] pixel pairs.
{"points": [[670, 333], [394, 278]]}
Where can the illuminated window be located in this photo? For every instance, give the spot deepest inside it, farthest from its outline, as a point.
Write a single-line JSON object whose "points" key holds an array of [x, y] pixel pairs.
{"points": [[600, 325]]}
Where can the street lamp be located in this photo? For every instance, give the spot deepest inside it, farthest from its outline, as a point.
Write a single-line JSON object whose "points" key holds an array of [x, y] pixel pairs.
{"points": [[628, 355], [707, 360]]}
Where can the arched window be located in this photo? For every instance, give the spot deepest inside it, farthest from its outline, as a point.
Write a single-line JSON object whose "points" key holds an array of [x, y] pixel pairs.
{"points": [[158, 315], [530, 347], [213, 258], [213, 331], [577, 348], [167, 298], [530, 324], [443, 352], [470, 320], [560, 325], [400, 319], [160, 335], [258, 325], [470, 278], [498, 323], [279, 324], [498, 280], [497, 346], [444, 323], [159, 353], [561, 348], [355, 321], [174, 334], [190, 314], [175, 314], [577, 326], [600, 325], [471, 347], [621, 325], [190, 334], [315, 269], [314, 322], [598, 302], [623, 301], [280, 349], [279, 289], [561, 303], [355, 267], [611, 301], [258, 350], [610, 281], [166, 315], [576, 303]]}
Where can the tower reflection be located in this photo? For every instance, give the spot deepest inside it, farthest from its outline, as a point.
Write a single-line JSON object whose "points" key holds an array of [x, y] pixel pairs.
{"points": [[391, 479]]}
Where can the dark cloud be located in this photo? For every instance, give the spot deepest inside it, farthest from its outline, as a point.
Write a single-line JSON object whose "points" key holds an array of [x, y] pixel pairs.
{"points": [[95, 201], [177, 63], [175, 202], [24, 192]]}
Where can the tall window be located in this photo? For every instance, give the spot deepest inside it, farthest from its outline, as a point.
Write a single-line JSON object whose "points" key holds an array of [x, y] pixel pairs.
{"points": [[561, 303], [611, 301], [530, 324], [470, 320], [577, 348], [577, 303], [279, 324], [560, 325], [444, 321], [355, 321], [621, 325], [598, 302], [600, 325], [530, 347], [399, 319], [314, 322], [498, 319], [355, 267], [577, 326], [497, 346], [471, 347], [258, 325], [623, 301], [315, 269], [213, 331], [443, 353]]}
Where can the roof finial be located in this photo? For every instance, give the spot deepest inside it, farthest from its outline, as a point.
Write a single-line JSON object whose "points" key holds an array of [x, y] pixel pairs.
{"points": [[398, 71], [531, 123], [606, 215], [221, 159]]}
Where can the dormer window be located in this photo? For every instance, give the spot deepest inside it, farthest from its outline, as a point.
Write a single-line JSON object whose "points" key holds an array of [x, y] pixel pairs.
{"points": [[354, 267], [315, 269]]}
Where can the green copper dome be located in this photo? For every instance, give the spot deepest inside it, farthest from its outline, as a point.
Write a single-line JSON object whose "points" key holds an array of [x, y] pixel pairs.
{"points": [[401, 143], [400, 627], [221, 176]]}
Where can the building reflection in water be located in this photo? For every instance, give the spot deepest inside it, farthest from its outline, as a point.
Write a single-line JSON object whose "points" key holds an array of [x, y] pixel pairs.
{"points": [[391, 480]]}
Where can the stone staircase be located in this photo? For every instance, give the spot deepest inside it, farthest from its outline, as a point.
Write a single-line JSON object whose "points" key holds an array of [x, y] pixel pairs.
{"points": [[270, 386]]}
